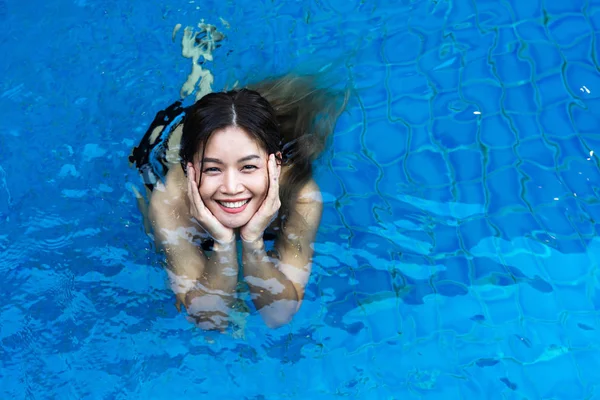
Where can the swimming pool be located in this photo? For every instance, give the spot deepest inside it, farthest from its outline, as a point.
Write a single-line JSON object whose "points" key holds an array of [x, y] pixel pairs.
{"points": [[458, 252]]}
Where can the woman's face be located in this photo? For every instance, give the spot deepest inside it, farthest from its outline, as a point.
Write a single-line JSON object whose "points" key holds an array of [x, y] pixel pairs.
{"points": [[234, 180]]}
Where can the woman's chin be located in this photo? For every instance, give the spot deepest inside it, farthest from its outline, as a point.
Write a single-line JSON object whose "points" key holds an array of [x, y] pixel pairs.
{"points": [[233, 226], [233, 223]]}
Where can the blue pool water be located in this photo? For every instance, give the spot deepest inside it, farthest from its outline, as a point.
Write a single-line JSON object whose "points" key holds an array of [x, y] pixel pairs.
{"points": [[458, 255]]}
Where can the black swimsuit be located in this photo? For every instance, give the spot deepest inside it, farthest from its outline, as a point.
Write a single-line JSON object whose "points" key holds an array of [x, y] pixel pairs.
{"points": [[149, 157]]}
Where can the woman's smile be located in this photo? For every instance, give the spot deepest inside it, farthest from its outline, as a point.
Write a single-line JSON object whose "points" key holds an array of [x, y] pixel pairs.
{"points": [[233, 206]]}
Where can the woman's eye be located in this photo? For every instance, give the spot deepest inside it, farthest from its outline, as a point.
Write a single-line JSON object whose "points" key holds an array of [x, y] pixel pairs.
{"points": [[249, 167], [211, 169]]}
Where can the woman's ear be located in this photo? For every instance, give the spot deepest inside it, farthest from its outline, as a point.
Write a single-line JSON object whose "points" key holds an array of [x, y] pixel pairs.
{"points": [[279, 158]]}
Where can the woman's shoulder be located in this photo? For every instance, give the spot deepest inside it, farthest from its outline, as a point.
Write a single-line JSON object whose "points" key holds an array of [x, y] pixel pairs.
{"points": [[306, 210], [173, 191], [309, 193]]}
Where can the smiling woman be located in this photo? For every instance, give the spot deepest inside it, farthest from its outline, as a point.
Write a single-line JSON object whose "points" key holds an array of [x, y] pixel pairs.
{"points": [[234, 177], [236, 167]]}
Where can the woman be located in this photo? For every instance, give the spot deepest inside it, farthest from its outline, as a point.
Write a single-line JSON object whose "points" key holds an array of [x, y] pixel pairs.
{"points": [[245, 179]]}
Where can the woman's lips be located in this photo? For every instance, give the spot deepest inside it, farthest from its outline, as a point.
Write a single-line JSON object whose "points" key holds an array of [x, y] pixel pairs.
{"points": [[234, 210]]}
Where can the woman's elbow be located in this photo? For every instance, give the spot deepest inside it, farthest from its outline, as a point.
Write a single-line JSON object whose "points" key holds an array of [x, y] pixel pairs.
{"points": [[277, 322], [279, 313]]}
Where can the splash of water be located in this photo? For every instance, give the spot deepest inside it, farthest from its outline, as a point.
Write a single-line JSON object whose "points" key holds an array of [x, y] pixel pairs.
{"points": [[198, 46]]}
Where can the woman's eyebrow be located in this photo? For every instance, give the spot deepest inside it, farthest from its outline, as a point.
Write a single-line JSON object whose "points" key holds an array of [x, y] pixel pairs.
{"points": [[212, 160], [247, 158], [217, 161]]}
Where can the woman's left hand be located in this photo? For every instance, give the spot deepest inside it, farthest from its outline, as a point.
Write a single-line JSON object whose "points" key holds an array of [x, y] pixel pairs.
{"points": [[267, 212]]}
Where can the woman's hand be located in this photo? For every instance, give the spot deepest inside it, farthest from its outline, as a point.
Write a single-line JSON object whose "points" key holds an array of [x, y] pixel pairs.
{"points": [[198, 210], [267, 212]]}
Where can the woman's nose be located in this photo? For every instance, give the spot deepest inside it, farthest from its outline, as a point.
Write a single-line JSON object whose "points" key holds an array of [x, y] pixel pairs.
{"points": [[232, 183]]}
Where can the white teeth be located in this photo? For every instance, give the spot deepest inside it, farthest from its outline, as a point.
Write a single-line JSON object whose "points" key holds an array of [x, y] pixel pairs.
{"points": [[236, 204]]}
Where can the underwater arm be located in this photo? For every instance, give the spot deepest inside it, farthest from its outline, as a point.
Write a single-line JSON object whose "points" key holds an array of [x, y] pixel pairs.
{"points": [[211, 299], [205, 285], [277, 285]]}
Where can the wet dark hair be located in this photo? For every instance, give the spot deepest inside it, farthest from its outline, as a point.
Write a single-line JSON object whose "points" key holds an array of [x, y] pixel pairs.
{"points": [[287, 114], [243, 108]]}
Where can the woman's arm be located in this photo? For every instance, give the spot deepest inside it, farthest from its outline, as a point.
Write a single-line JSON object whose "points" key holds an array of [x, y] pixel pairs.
{"points": [[205, 285], [277, 285]]}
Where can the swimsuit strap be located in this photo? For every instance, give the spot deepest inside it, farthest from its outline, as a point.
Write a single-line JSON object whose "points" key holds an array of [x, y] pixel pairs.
{"points": [[149, 155]]}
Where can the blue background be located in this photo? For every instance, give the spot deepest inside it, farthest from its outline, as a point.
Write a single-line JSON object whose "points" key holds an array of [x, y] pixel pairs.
{"points": [[458, 255]]}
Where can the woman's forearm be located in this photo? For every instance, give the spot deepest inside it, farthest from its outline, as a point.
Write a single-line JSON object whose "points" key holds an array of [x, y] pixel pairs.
{"points": [[273, 293], [221, 271], [210, 301]]}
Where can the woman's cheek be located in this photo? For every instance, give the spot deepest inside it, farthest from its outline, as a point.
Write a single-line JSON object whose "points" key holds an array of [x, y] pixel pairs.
{"points": [[206, 190]]}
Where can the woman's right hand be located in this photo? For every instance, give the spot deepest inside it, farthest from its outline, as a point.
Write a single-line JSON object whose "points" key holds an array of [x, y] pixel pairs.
{"points": [[205, 218]]}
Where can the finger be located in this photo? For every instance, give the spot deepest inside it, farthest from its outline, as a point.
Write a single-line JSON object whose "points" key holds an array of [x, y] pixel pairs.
{"points": [[191, 173], [195, 177], [274, 173], [193, 189], [190, 179], [273, 193], [273, 167], [277, 167]]}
